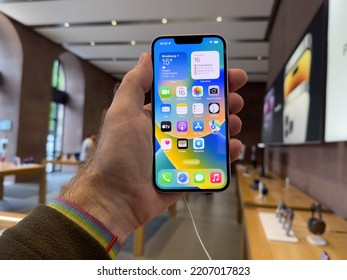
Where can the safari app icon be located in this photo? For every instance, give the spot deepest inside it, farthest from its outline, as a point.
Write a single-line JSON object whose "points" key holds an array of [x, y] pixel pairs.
{"points": [[182, 178]]}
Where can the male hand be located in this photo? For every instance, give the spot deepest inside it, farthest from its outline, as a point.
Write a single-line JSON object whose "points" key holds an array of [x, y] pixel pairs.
{"points": [[116, 185]]}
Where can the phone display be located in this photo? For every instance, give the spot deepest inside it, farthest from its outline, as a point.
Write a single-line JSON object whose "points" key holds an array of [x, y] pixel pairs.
{"points": [[268, 114], [295, 101], [190, 113], [297, 93]]}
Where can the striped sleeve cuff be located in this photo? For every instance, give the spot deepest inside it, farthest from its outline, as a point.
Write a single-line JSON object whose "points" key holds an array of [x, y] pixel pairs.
{"points": [[90, 224]]}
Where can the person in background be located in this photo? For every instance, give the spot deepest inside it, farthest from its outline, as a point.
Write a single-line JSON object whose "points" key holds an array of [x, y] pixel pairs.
{"points": [[113, 193], [87, 146]]}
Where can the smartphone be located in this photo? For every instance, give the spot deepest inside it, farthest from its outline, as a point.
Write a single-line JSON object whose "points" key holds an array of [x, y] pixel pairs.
{"points": [[190, 113], [296, 91]]}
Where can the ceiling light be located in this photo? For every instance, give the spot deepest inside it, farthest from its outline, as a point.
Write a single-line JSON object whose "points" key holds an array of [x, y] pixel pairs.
{"points": [[260, 57], [114, 22], [164, 20], [66, 24], [219, 19], [133, 42], [92, 43]]}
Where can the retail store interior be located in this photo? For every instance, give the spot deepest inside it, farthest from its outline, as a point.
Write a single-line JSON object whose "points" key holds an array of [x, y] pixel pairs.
{"points": [[62, 60]]}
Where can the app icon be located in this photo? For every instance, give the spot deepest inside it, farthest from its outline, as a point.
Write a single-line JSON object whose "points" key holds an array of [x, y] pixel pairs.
{"points": [[165, 92], [198, 143], [213, 108], [182, 178], [198, 108], [166, 144], [215, 177], [197, 91], [166, 108], [166, 178], [182, 126], [199, 177], [198, 126], [165, 126], [213, 90], [181, 109], [214, 126], [181, 91], [182, 143]]}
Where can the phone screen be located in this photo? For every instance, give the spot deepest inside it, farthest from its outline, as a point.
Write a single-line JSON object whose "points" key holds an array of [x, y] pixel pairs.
{"points": [[190, 140], [297, 96]]}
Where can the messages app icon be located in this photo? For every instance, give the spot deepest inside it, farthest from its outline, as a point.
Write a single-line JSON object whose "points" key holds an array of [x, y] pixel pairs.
{"points": [[199, 177]]}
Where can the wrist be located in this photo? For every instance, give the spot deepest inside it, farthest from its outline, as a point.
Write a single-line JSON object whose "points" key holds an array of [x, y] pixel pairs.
{"points": [[90, 224], [87, 193]]}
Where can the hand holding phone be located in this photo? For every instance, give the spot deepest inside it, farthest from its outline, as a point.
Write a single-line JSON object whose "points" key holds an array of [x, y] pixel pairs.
{"points": [[190, 113]]}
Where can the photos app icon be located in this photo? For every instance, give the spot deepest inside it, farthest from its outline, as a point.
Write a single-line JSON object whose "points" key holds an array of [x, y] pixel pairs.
{"points": [[197, 91]]}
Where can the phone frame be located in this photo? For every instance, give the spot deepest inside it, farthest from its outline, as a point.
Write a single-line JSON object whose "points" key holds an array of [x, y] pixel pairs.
{"points": [[191, 39]]}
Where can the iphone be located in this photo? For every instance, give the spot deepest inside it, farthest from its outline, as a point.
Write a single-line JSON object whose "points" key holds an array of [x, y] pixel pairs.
{"points": [[190, 113]]}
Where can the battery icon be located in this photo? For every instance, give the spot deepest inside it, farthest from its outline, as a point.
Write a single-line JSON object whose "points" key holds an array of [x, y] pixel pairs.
{"points": [[215, 42]]}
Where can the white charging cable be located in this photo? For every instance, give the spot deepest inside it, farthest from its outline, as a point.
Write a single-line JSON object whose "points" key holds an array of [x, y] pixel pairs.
{"points": [[195, 228]]}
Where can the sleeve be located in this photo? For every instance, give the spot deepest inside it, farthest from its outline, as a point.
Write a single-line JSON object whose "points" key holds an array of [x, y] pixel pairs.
{"points": [[48, 234]]}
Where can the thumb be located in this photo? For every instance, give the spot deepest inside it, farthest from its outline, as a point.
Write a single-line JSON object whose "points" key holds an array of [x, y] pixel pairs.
{"points": [[136, 83]]}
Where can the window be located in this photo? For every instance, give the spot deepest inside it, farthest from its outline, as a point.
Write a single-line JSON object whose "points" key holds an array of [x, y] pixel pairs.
{"points": [[56, 116]]}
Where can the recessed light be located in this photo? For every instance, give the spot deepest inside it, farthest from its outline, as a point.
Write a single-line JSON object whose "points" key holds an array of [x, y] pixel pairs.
{"points": [[133, 42], [114, 22], [92, 43], [164, 20], [66, 24], [219, 19]]}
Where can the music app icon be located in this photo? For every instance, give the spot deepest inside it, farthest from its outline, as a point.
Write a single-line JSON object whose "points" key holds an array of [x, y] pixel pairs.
{"points": [[216, 177]]}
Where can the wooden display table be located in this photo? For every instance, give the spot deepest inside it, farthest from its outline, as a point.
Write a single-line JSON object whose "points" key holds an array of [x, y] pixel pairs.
{"points": [[62, 162], [258, 247], [139, 235], [8, 219], [293, 197], [7, 169]]}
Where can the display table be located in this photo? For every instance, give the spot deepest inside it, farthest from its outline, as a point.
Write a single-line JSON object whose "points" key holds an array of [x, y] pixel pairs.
{"points": [[258, 247], [293, 197], [139, 236], [9, 219], [62, 162], [7, 169]]}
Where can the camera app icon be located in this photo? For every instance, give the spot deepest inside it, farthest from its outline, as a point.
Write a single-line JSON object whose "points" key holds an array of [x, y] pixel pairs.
{"points": [[213, 90]]}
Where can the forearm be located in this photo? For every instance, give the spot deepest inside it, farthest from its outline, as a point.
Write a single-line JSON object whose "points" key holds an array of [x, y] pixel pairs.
{"points": [[37, 237]]}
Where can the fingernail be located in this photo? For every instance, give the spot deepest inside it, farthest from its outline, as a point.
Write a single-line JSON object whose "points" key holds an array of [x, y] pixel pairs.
{"points": [[141, 59]]}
